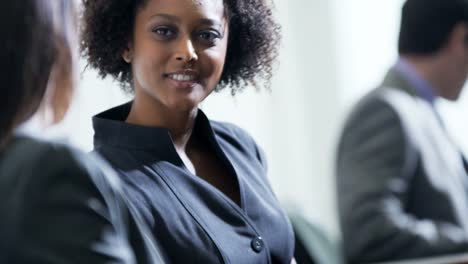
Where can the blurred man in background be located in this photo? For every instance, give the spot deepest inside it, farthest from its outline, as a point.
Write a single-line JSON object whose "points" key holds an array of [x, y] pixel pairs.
{"points": [[402, 183]]}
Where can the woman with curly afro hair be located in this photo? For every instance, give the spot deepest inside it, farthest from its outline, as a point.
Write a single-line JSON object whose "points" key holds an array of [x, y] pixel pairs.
{"points": [[201, 185]]}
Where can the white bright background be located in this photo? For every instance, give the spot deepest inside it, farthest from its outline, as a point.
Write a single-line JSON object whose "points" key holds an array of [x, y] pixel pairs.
{"points": [[333, 51]]}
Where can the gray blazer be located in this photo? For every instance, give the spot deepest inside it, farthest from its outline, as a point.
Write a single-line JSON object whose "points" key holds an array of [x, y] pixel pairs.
{"points": [[59, 206], [401, 182]]}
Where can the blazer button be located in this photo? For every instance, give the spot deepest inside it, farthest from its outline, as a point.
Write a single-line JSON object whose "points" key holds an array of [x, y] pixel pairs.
{"points": [[257, 244]]}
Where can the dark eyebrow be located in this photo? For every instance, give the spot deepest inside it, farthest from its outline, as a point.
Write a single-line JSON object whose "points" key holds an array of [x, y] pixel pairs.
{"points": [[204, 21], [166, 16], [210, 22]]}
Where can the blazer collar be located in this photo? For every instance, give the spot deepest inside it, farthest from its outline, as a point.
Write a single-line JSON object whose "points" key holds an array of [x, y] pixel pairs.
{"points": [[110, 129], [395, 79]]}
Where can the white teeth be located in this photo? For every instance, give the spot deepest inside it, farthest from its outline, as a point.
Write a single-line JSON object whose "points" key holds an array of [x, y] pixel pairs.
{"points": [[182, 77]]}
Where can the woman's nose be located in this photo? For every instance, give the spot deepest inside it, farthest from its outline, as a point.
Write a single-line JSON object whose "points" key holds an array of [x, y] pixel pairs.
{"points": [[186, 51]]}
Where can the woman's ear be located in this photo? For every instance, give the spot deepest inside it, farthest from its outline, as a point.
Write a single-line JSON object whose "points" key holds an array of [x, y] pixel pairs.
{"points": [[127, 55]]}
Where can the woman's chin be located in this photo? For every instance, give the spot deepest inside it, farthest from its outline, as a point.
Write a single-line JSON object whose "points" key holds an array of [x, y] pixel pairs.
{"points": [[186, 104]]}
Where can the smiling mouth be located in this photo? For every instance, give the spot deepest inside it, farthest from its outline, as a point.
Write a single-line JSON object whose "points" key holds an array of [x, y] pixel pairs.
{"points": [[181, 77], [182, 80]]}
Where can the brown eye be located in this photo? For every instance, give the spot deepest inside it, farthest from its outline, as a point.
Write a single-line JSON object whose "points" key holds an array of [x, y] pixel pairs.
{"points": [[209, 36], [164, 32]]}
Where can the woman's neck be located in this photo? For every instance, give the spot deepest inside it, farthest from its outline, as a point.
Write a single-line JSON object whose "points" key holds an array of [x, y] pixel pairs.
{"points": [[151, 113]]}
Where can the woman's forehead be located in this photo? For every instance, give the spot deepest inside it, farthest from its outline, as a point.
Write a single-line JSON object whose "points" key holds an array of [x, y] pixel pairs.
{"points": [[184, 6]]}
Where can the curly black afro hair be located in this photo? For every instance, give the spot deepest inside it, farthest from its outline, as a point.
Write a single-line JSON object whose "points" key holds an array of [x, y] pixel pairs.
{"points": [[252, 49]]}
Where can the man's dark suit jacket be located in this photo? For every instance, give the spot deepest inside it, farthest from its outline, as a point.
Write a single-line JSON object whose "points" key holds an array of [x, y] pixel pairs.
{"points": [[402, 184], [58, 206]]}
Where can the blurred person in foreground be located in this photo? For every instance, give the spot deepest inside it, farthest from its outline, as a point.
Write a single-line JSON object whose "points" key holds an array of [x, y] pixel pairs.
{"points": [[402, 183], [56, 204]]}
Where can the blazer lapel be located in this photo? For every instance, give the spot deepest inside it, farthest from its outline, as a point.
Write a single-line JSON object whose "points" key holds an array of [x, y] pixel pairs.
{"points": [[396, 80]]}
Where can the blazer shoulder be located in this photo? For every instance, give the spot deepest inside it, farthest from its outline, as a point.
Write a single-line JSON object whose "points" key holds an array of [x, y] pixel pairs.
{"points": [[38, 165], [387, 97], [38, 155], [239, 138], [92, 165], [54, 182], [220, 127], [382, 120], [403, 109], [233, 133]]}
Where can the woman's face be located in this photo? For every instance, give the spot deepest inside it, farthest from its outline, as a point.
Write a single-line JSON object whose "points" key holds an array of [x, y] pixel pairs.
{"points": [[178, 51]]}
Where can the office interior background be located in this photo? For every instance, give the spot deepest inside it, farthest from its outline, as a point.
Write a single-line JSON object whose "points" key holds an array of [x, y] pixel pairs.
{"points": [[332, 52]]}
